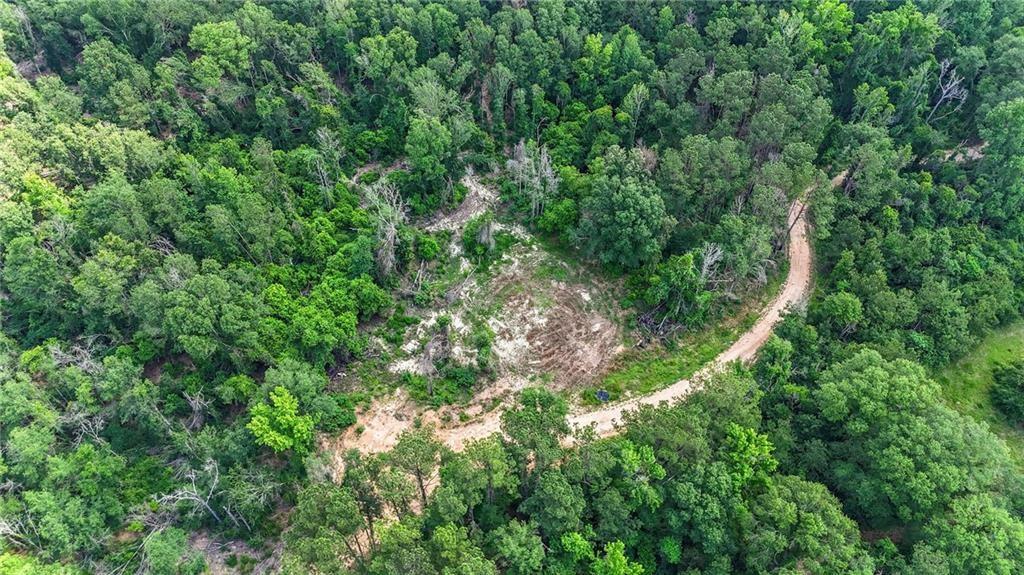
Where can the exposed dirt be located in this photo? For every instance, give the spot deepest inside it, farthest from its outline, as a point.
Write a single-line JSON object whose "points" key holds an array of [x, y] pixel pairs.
{"points": [[385, 421], [545, 322], [550, 327], [478, 199], [217, 552], [963, 153]]}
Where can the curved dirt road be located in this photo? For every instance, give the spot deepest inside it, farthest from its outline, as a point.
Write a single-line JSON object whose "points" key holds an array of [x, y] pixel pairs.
{"points": [[794, 291], [381, 428]]}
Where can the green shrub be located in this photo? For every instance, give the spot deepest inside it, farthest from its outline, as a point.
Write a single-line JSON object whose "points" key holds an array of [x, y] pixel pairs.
{"points": [[1008, 390], [334, 412]]}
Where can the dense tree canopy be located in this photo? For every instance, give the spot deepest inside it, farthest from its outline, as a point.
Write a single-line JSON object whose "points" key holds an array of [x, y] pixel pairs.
{"points": [[215, 215]]}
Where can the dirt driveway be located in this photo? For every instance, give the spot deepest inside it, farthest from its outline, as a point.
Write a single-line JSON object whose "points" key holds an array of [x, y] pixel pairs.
{"points": [[381, 428]]}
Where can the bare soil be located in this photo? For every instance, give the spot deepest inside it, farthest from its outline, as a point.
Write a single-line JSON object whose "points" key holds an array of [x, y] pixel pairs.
{"points": [[553, 348]]}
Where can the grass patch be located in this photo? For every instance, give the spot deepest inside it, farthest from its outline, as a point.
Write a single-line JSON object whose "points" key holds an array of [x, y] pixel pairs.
{"points": [[966, 384], [552, 270], [646, 371]]}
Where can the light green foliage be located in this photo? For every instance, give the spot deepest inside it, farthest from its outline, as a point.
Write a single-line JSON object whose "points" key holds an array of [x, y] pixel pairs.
{"points": [[749, 455], [12, 564], [279, 425], [224, 50], [186, 258], [167, 553], [614, 562]]}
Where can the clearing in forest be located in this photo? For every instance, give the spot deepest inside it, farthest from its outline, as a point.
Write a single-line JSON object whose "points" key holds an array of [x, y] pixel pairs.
{"points": [[551, 322], [380, 426]]}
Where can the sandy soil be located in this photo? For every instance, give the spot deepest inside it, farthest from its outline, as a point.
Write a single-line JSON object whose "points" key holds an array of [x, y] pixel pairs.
{"points": [[961, 153], [478, 199], [384, 423]]}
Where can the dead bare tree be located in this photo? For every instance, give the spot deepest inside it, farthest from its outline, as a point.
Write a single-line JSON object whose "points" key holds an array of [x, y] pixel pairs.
{"points": [[81, 354], [19, 530], [950, 89], [326, 162], [163, 245], [389, 210], [83, 425], [199, 406], [201, 486], [534, 175], [633, 104], [250, 487], [485, 236], [710, 255]]}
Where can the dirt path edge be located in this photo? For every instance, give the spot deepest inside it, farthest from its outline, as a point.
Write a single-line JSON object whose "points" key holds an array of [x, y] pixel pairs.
{"points": [[380, 432]]}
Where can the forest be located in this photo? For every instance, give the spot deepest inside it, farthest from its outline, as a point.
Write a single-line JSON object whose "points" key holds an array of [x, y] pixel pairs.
{"points": [[265, 264]]}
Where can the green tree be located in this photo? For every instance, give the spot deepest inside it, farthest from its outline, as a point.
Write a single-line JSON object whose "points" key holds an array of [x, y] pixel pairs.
{"points": [[797, 524], [279, 425], [167, 553], [614, 562], [325, 529], [623, 220], [36, 284], [897, 452], [749, 455], [223, 49], [1003, 164], [535, 425], [519, 547], [555, 504], [1008, 390], [417, 452], [429, 147], [974, 536], [676, 291]]}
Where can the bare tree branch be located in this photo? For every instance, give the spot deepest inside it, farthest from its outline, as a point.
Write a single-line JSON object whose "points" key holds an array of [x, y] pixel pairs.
{"points": [[389, 210]]}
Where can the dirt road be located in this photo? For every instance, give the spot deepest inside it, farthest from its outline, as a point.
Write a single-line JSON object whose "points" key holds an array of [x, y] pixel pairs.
{"points": [[381, 428], [793, 292]]}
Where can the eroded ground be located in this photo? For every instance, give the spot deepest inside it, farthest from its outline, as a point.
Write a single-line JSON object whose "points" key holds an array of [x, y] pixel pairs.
{"points": [[554, 323]]}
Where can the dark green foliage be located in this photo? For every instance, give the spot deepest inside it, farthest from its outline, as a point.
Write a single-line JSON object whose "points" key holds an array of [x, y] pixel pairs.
{"points": [[874, 413], [1008, 390], [623, 219], [186, 251], [450, 384], [675, 291], [334, 412], [974, 536]]}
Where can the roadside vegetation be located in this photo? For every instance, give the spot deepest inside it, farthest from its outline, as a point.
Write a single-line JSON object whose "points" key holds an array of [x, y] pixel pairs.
{"points": [[318, 286]]}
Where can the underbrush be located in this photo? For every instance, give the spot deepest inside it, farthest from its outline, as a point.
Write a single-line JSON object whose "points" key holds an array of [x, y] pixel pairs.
{"points": [[640, 372]]}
